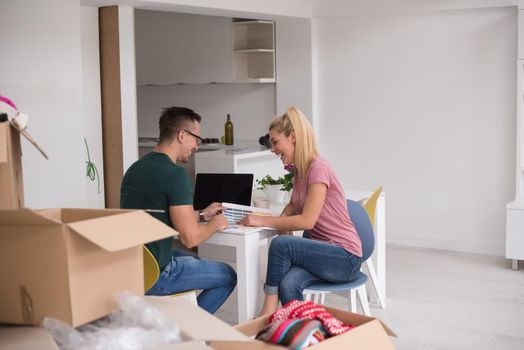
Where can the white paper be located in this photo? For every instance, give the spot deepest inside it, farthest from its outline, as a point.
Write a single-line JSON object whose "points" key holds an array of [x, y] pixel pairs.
{"points": [[236, 212]]}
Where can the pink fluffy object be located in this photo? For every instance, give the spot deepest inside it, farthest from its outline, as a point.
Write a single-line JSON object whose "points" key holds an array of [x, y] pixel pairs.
{"points": [[7, 101]]}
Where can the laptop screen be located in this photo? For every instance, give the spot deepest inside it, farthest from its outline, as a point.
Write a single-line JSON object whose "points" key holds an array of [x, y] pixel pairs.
{"points": [[231, 188]]}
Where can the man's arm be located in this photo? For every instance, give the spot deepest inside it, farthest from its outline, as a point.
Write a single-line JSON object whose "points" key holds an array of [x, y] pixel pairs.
{"points": [[191, 233], [208, 213]]}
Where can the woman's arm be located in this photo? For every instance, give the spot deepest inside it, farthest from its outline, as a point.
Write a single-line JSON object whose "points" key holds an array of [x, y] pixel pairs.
{"points": [[306, 220], [288, 209]]}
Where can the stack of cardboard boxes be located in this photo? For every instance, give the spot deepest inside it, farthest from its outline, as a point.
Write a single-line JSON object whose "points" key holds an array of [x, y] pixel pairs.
{"points": [[69, 263]]}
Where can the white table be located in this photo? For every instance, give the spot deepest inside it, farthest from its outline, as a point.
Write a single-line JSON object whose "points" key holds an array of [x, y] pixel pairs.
{"points": [[247, 254], [247, 257]]}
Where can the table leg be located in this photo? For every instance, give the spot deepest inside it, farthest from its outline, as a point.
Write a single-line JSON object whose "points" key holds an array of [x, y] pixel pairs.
{"points": [[248, 276]]}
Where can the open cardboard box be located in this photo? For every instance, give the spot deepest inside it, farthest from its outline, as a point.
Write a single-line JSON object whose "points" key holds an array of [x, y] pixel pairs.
{"points": [[69, 263], [11, 185], [203, 331], [369, 334]]}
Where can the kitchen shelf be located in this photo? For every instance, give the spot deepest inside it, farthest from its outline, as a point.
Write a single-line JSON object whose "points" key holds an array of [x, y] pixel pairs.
{"points": [[241, 22], [255, 80], [253, 51]]}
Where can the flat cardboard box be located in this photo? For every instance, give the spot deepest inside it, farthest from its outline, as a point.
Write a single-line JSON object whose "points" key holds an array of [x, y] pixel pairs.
{"points": [[369, 334], [196, 327], [11, 185], [195, 323], [69, 263], [24, 338]]}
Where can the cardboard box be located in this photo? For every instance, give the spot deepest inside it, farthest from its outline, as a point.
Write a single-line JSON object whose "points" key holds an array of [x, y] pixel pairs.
{"points": [[11, 185], [197, 324], [369, 334], [24, 338], [199, 327], [196, 327], [68, 263]]}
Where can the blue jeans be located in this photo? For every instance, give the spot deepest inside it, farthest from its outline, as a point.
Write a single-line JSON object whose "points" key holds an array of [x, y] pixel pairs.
{"points": [[295, 263], [188, 272]]}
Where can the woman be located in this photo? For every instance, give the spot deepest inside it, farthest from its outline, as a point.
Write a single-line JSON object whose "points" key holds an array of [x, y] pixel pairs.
{"points": [[318, 204]]}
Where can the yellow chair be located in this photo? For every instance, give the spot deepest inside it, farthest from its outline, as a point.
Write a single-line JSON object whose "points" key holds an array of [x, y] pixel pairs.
{"points": [[371, 207], [371, 204], [152, 272]]}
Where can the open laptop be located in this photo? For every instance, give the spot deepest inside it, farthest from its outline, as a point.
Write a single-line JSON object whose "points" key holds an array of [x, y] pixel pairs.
{"points": [[231, 188]]}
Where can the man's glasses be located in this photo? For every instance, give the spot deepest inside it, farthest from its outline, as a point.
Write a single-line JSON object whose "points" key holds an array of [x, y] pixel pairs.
{"points": [[199, 140]]}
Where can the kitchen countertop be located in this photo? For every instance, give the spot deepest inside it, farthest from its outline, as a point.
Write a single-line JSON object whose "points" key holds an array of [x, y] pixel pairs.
{"points": [[236, 152], [240, 146]]}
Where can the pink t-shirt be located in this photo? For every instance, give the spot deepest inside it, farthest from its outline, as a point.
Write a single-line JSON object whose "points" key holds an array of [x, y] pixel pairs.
{"points": [[334, 224]]}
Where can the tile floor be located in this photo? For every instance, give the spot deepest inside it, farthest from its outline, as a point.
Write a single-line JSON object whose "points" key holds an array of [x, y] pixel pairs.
{"points": [[446, 300]]}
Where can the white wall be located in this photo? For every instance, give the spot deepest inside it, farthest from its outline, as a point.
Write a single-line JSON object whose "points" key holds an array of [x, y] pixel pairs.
{"points": [[294, 66], [40, 70], [251, 106], [126, 38], [424, 104], [91, 103]]}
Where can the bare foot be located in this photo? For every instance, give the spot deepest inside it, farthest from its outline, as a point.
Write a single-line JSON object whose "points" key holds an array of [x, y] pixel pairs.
{"points": [[270, 305]]}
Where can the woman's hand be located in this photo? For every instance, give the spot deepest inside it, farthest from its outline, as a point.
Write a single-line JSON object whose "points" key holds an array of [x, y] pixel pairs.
{"points": [[212, 210], [253, 220]]}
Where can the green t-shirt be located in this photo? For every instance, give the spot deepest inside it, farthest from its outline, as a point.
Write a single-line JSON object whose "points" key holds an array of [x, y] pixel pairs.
{"points": [[155, 182]]}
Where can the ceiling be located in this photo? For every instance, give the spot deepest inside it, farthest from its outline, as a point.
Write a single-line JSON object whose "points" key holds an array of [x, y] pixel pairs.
{"points": [[302, 8]]}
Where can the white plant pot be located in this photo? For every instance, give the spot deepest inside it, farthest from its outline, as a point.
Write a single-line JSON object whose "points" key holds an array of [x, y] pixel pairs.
{"points": [[274, 194]]}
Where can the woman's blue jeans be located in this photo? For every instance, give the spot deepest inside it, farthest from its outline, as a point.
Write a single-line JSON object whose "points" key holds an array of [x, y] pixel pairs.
{"points": [[188, 272], [295, 263]]}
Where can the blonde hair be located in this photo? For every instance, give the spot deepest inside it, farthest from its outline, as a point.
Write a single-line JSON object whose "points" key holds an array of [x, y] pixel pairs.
{"points": [[305, 144]]}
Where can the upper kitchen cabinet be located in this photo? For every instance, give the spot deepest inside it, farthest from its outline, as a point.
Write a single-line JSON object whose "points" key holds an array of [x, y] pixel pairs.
{"points": [[174, 48], [149, 49], [253, 51], [214, 49]]}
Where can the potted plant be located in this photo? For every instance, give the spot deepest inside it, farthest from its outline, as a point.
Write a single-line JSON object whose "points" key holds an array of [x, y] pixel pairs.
{"points": [[276, 189]]}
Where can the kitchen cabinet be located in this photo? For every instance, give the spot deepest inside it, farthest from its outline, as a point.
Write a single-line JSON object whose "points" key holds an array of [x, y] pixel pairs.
{"points": [[249, 160], [214, 49], [254, 51], [150, 53], [515, 233], [176, 48], [515, 209]]}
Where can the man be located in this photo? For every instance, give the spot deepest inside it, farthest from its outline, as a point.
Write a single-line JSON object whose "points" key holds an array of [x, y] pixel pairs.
{"points": [[156, 182]]}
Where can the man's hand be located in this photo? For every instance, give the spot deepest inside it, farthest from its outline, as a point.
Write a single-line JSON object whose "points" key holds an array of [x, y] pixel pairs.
{"points": [[253, 220], [212, 210], [219, 222]]}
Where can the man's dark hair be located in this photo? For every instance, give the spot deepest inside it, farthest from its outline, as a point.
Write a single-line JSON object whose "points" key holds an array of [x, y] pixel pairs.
{"points": [[174, 119]]}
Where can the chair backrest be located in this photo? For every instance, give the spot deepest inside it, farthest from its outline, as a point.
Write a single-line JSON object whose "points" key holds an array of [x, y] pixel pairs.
{"points": [[360, 219], [371, 204], [151, 269]]}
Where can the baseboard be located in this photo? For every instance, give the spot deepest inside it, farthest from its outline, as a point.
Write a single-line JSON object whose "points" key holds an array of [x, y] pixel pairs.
{"points": [[447, 244]]}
